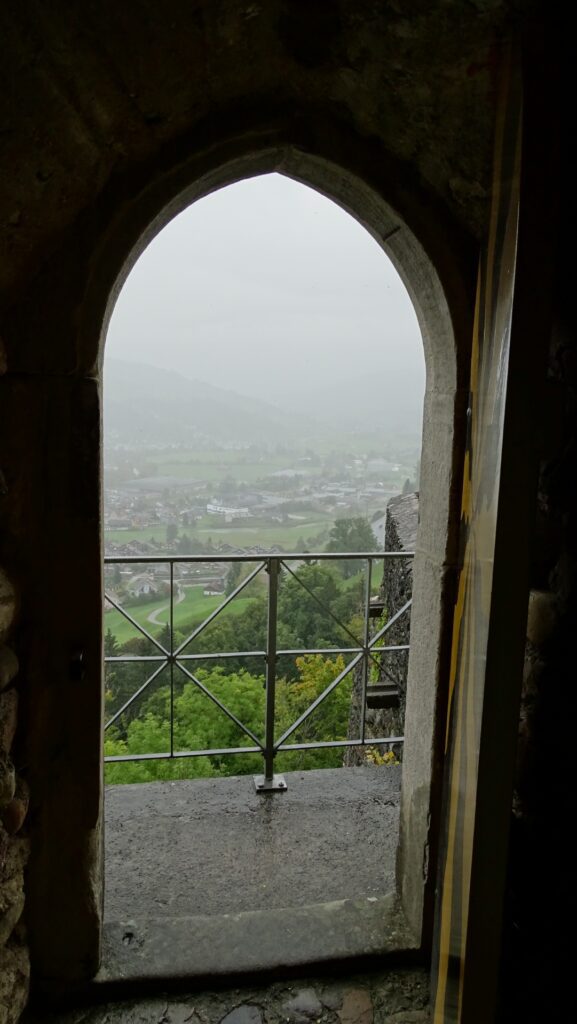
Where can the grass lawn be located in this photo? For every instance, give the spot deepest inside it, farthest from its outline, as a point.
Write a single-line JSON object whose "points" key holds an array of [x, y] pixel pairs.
{"points": [[243, 536], [189, 613], [266, 536], [247, 472]]}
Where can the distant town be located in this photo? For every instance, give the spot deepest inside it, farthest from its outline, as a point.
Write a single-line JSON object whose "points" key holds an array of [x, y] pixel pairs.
{"points": [[229, 501], [178, 501], [191, 470]]}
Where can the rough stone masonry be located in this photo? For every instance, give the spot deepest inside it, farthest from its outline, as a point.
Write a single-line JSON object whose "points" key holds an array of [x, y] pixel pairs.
{"points": [[14, 960]]}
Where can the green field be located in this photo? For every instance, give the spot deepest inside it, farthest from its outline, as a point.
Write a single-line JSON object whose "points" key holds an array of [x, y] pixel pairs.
{"points": [[243, 536], [225, 464], [189, 612]]}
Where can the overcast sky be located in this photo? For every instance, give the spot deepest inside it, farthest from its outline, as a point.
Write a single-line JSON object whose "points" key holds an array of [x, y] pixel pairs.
{"points": [[260, 285]]}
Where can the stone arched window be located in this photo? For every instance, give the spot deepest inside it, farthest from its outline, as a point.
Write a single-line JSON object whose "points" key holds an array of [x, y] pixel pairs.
{"points": [[422, 254]]}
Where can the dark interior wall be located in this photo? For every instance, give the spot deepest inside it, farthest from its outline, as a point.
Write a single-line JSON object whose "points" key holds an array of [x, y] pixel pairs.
{"points": [[540, 905], [92, 93]]}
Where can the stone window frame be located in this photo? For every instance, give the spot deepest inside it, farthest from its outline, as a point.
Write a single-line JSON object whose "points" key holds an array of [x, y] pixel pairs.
{"points": [[433, 260]]}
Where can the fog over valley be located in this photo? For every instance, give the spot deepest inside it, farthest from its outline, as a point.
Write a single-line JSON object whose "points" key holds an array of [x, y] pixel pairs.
{"points": [[263, 391], [264, 377]]}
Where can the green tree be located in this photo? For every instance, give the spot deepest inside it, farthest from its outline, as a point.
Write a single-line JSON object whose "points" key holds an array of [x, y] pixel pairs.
{"points": [[233, 577], [171, 533], [199, 724], [305, 605], [111, 645], [351, 534], [328, 722]]}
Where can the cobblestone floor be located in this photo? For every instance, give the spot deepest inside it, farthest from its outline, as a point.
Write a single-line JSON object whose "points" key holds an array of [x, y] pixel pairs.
{"points": [[394, 997]]}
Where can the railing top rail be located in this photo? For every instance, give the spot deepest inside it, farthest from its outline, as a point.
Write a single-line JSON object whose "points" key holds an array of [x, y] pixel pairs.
{"points": [[291, 556]]}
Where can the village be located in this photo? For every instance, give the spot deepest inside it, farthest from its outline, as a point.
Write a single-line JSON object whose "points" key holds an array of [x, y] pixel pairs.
{"points": [[167, 503]]}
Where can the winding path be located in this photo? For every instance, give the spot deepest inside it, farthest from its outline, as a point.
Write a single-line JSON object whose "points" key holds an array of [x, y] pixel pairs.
{"points": [[158, 611]]}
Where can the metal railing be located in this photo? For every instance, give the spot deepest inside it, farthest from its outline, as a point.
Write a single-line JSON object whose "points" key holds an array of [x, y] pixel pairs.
{"points": [[363, 651]]}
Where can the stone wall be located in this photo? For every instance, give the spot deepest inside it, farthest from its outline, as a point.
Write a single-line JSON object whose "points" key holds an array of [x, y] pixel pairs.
{"points": [[401, 524], [14, 961], [400, 535]]}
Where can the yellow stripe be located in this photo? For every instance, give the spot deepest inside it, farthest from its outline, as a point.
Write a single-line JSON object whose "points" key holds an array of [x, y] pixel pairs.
{"points": [[447, 892], [468, 815]]}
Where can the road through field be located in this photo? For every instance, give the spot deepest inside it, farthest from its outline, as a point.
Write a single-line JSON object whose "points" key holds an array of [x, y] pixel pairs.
{"points": [[164, 607]]}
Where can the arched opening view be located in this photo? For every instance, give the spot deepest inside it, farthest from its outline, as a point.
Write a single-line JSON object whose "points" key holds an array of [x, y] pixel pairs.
{"points": [[263, 395]]}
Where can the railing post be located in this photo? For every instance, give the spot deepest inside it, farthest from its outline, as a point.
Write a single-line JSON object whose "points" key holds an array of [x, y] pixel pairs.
{"points": [[269, 782], [367, 637]]}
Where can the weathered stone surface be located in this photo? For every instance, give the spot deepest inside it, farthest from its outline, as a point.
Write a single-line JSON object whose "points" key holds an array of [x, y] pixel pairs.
{"points": [[11, 907], [357, 1007], [332, 997], [7, 781], [14, 982], [401, 993], [164, 948], [541, 616], [8, 666], [7, 604], [181, 1013], [225, 850], [244, 1014], [14, 813], [365, 59], [14, 851], [408, 1017], [8, 720], [257, 1005], [399, 533], [303, 1005]]}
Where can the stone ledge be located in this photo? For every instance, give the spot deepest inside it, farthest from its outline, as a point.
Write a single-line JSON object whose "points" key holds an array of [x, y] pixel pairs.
{"points": [[254, 943], [204, 847]]}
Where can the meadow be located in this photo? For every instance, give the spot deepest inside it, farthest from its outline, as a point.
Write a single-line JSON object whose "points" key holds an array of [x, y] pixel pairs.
{"points": [[187, 613], [238, 536]]}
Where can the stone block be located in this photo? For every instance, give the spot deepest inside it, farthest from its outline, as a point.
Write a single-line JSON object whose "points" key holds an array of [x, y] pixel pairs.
{"points": [[244, 1014], [332, 997], [7, 781], [14, 851], [7, 604], [8, 667], [11, 907], [541, 616], [8, 720], [14, 982], [357, 1007], [14, 813], [304, 1005]]}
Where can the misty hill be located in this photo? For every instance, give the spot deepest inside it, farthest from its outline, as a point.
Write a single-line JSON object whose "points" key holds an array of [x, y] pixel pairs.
{"points": [[389, 400], [144, 405], [147, 406]]}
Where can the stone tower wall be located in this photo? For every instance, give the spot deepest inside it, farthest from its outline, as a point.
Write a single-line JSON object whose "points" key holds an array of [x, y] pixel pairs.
{"points": [[14, 959], [396, 589]]}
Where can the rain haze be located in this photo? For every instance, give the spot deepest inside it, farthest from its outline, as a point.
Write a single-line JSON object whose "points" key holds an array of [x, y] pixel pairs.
{"points": [[263, 394], [264, 377], [270, 290]]}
